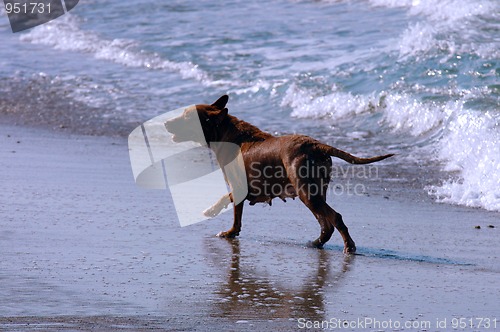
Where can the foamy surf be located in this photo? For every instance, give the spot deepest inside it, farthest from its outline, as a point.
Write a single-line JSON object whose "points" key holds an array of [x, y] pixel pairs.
{"points": [[463, 140], [65, 34], [440, 22], [444, 28], [306, 103], [400, 111], [470, 146]]}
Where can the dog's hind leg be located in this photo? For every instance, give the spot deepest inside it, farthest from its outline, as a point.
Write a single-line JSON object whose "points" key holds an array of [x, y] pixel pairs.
{"points": [[312, 194], [328, 219], [235, 230], [338, 222]]}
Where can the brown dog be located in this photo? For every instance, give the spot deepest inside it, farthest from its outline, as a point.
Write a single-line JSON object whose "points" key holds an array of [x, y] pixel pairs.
{"points": [[286, 166]]}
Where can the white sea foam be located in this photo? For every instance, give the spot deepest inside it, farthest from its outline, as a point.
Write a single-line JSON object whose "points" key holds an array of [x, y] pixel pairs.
{"points": [[401, 112], [392, 3], [467, 140], [418, 39], [467, 145], [254, 88], [441, 10], [444, 25], [65, 34], [451, 10], [337, 105], [424, 39], [470, 146], [409, 115]]}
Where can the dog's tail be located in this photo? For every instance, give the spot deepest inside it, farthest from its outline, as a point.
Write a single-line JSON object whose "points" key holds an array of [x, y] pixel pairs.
{"points": [[334, 152]]}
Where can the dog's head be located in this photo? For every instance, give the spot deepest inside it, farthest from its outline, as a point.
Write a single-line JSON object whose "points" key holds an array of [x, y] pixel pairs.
{"points": [[186, 127]]}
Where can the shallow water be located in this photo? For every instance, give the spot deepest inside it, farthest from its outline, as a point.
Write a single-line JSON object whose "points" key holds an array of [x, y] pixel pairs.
{"points": [[416, 78]]}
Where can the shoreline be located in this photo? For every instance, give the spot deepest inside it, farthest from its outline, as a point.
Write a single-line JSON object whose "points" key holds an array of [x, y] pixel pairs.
{"points": [[84, 247]]}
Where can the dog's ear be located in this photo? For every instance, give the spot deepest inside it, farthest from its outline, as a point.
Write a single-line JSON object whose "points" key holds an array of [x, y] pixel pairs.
{"points": [[222, 115], [221, 102]]}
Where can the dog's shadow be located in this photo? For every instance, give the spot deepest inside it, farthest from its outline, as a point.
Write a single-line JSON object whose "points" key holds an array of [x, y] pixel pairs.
{"points": [[249, 294]]}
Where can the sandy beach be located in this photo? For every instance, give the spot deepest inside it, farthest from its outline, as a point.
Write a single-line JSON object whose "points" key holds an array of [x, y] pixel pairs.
{"points": [[84, 248]]}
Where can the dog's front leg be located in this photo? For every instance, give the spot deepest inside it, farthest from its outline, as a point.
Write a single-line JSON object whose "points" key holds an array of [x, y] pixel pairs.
{"points": [[235, 230], [221, 204]]}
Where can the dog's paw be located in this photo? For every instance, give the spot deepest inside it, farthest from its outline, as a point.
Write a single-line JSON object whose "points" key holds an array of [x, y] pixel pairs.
{"points": [[228, 235], [210, 213], [350, 249], [314, 244], [214, 210]]}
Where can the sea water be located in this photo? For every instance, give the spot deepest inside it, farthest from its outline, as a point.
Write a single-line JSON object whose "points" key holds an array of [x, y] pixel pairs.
{"points": [[419, 78]]}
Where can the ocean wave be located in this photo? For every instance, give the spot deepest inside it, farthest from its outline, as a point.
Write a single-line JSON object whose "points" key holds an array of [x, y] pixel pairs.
{"points": [[441, 10], [470, 147], [400, 111], [466, 144], [424, 39], [65, 34], [452, 10], [465, 141], [445, 26], [392, 3], [260, 85], [306, 103], [406, 114]]}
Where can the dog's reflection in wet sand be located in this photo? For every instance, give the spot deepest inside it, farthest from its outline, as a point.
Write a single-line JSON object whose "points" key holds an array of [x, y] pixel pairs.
{"points": [[248, 293]]}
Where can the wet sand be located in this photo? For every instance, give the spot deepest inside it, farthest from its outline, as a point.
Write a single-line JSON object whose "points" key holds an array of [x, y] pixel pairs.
{"points": [[84, 248]]}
